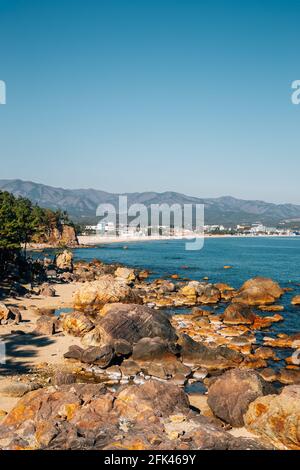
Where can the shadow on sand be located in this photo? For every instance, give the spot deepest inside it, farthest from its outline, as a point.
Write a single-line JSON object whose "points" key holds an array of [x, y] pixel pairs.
{"points": [[17, 349]]}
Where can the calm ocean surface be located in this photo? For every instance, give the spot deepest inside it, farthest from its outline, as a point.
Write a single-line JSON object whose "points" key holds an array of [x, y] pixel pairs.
{"points": [[278, 258]]}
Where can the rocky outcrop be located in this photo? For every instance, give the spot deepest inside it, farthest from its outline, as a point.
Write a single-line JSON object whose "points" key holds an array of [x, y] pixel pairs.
{"points": [[59, 235], [65, 235], [93, 296], [231, 394], [277, 418], [154, 416], [258, 291]]}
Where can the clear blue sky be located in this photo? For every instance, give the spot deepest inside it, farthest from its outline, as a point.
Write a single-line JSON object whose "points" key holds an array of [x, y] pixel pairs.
{"points": [[133, 95]]}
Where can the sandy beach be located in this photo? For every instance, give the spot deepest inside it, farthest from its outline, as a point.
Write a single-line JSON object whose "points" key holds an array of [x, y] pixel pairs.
{"points": [[27, 352]]}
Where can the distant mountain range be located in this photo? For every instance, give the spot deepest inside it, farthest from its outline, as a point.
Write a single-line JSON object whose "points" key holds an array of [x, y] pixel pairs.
{"points": [[81, 204]]}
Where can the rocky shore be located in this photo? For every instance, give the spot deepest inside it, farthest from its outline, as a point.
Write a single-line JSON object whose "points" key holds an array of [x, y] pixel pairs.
{"points": [[97, 359]]}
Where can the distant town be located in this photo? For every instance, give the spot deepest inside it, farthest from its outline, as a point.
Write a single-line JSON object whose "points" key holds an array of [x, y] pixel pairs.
{"points": [[255, 230]]}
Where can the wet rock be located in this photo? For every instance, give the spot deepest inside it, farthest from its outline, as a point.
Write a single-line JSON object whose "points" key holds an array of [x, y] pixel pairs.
{"points": [[76, 324], [276, 418], [230, 394], [283, 341], [238, 314], [265, 353], [269, 374], [271, 308], [296, 300], [45, 326], [64, 261], [252, 362], [289, 376], [258, 291], [93, 296]]}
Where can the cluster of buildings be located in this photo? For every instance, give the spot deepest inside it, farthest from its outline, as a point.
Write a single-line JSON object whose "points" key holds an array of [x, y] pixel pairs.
{"points": [[257, 229]]}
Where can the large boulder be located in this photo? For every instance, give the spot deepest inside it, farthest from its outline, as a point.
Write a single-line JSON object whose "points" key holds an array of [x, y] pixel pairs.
{"points": [[132, 322], [277, 418], [238, 314], [64, 261], [231, 394], [91, 297], [258, 291]]}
